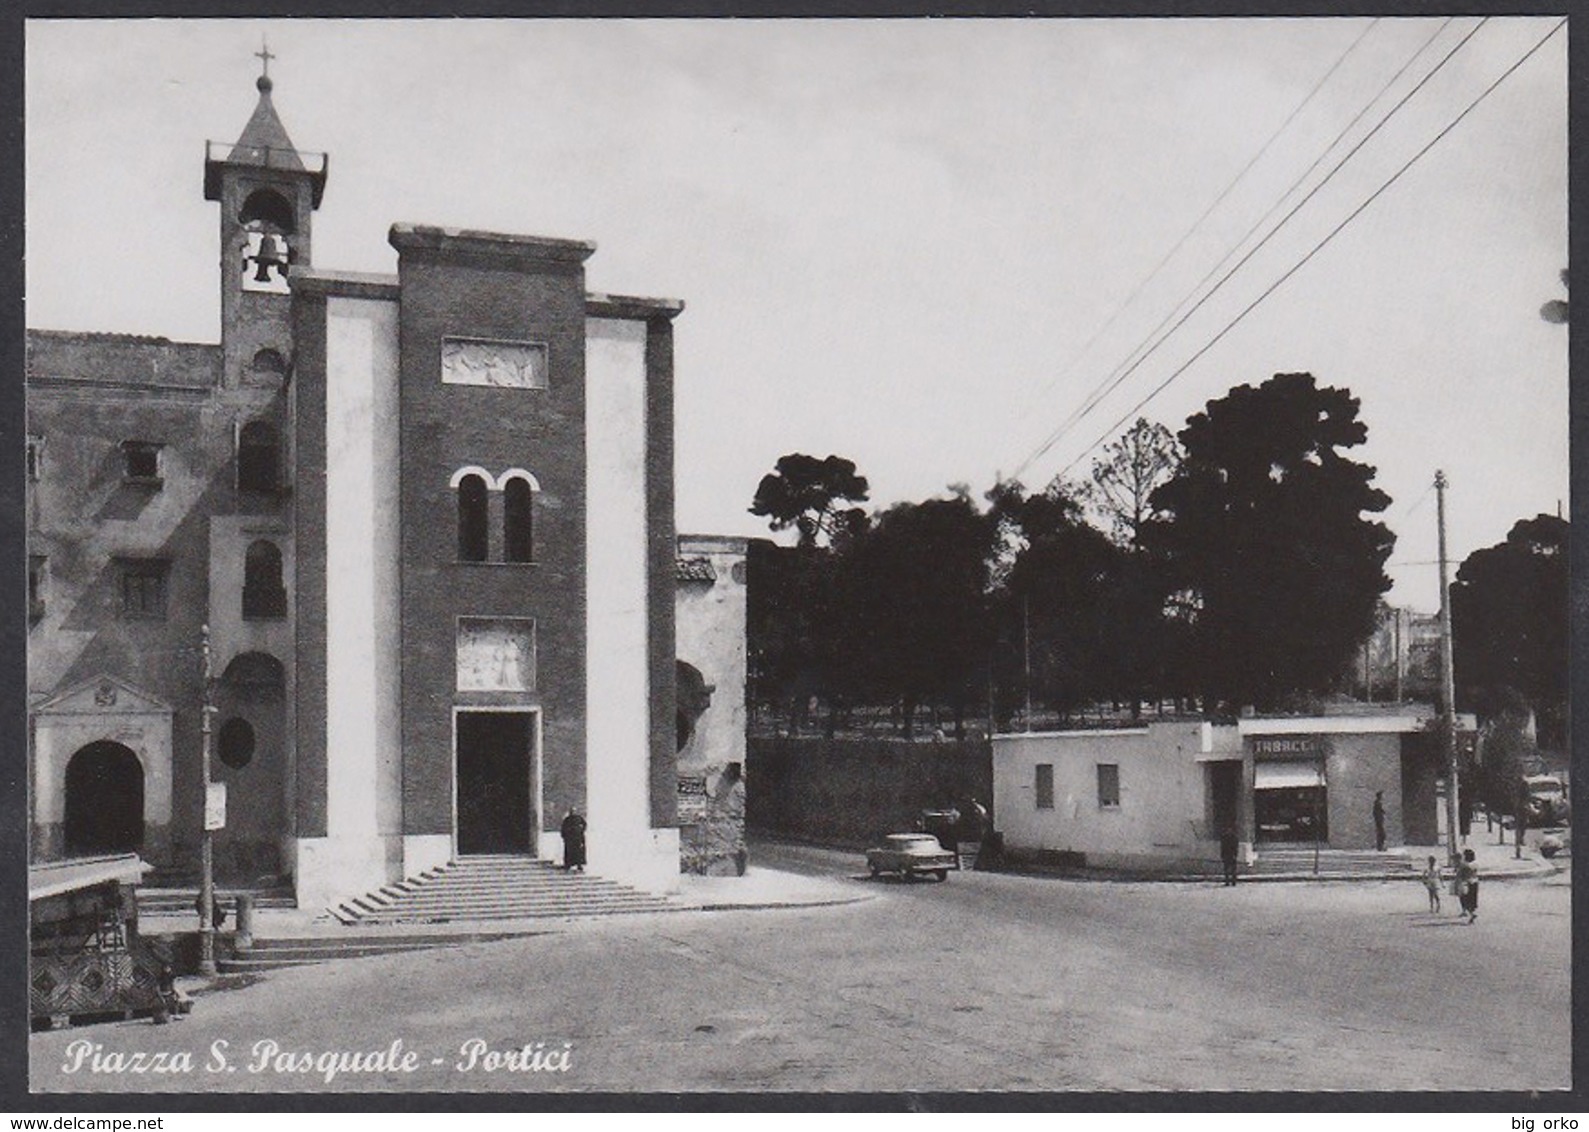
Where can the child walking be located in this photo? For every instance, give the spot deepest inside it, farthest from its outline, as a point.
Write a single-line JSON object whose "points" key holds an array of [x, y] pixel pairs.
{"points": [[1431, 881]]}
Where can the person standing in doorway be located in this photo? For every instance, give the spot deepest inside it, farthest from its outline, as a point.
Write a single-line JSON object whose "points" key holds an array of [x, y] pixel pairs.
{"points": [[573, 830], [1379, 820], [1227, 854]]}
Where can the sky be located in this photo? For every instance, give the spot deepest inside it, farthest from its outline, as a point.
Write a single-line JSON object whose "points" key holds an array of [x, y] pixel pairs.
{"points": [[919, 244]]}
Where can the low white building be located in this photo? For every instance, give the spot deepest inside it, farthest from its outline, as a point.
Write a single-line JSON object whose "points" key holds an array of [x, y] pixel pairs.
{"points": [[1160, 795]]}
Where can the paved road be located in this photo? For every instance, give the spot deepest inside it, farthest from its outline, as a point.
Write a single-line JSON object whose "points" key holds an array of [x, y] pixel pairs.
{"points": [[983, 982]]}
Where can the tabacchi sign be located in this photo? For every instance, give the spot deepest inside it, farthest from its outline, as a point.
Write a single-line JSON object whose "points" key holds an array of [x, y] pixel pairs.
{"points": [[1286, 746]]}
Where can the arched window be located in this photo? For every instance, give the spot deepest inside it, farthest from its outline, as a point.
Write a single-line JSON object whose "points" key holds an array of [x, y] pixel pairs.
{"points": [[518, 521], [474, 538], [235, 743], [258, 458], [264, 596], [267, 210]]}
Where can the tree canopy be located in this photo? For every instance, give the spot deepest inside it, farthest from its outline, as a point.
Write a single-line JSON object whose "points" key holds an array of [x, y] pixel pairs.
{"points": [[1264, 525], [807, 493], [1509, 622]]}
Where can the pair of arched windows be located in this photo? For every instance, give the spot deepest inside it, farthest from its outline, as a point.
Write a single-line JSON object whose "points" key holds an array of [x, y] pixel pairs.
{"points": [[517, 488]]}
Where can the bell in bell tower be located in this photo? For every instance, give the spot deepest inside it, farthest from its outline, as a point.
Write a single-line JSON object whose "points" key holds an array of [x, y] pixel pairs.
{"points": [[267, 189]]}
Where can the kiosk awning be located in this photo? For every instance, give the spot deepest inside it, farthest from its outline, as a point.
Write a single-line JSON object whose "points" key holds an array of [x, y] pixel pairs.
{"points": [[1284, 775]]}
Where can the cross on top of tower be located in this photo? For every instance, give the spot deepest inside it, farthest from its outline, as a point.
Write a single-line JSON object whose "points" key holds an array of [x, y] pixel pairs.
{"points": [[264, 55]]}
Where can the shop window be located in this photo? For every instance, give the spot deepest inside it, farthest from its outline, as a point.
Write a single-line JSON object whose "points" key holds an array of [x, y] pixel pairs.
{"points": [[474, 539], [264, 595], [36, 576], [143, 587], [141, 462], [35, 457], [1045, 786], [258, 458], [518, 521], [1108, 786]]}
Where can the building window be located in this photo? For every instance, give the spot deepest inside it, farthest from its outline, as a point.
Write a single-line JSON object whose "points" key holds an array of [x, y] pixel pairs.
{"points": [[36, 576], [35, 456], [1108, 785], [141, 462], [235, 743], [474, 535], [264, 596], [1045, 786], [143, 587], [258, 459], [518, 521]]}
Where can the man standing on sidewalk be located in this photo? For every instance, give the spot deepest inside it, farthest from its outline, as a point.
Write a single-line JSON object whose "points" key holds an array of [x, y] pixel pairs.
{"points": [[1227, 854], [1379, 820]]}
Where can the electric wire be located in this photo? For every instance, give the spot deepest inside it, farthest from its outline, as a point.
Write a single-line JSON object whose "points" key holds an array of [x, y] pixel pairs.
{"points": [[1059, 434], [1217, 201], [1142, 351], [1356, 212]]}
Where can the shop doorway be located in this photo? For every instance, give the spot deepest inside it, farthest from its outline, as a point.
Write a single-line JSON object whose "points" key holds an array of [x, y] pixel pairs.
{"points": [[1224, 792], [495, 764], [104, 801]]}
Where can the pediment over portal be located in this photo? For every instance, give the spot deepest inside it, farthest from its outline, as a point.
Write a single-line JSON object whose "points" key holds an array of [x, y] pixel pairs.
{"points": [[102, 695]]}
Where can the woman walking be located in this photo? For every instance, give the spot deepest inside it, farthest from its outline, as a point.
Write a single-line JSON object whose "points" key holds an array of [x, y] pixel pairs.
{"points": [[1468, 886]]}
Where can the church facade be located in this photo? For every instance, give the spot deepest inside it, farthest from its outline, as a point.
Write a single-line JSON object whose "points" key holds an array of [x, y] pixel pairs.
{"points": [[399, 551]]}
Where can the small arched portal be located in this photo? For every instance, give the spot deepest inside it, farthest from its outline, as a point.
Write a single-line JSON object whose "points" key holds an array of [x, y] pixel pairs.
{"points": [[104, 800], [251, 758]]}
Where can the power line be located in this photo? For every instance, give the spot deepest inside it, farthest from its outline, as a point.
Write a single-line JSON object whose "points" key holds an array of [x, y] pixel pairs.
{"points": [[1142, 351], [1218, 200], [1372, 197], [1130, 368]]}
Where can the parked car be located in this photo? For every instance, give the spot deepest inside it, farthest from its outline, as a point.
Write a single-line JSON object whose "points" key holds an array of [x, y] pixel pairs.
{"points": [[1547, 800], [911, 854]]}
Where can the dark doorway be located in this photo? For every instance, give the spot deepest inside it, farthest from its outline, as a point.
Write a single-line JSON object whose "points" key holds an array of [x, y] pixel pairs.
{"points": [[1224, 789], [104, 800], [495, 782]]}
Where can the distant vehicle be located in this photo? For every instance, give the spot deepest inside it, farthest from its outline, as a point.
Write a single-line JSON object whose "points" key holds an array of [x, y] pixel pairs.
{"points": [[1547, 800], [911, 854], [1556, 844]]}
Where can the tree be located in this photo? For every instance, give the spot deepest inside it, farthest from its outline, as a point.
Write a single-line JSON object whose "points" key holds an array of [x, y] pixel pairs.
{"points": [[806, 493], [1264, 531], [1055, 606], [1126, 475], [919, 602], [1509, 621]]}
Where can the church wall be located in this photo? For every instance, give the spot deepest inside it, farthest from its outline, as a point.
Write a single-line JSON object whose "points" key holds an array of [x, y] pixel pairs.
{"points": [[357, 545], [521, 291]]}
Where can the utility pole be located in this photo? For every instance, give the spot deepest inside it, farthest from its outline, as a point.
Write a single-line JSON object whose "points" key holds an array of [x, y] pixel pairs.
{"points": [[206, 846], [1448, 712], [1026, 621]]}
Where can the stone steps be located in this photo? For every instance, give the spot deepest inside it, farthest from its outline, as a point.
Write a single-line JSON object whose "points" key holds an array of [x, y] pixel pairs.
{"points": [[171, 901], [1273, 861], [495, 888]]}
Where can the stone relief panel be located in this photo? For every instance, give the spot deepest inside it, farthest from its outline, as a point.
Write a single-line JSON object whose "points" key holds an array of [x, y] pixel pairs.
{"points": [[505, 365], [496, 654]]}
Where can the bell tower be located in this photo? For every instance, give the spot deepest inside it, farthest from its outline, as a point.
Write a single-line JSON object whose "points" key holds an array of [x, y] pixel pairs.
{"points": [[267, 190]]}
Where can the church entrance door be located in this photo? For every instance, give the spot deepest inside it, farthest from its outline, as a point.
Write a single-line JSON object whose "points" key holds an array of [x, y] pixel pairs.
{"points": [[495, 754]]}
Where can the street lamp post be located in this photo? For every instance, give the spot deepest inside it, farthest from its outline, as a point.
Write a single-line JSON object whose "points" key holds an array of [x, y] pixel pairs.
{"points": [[206, 846]]}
